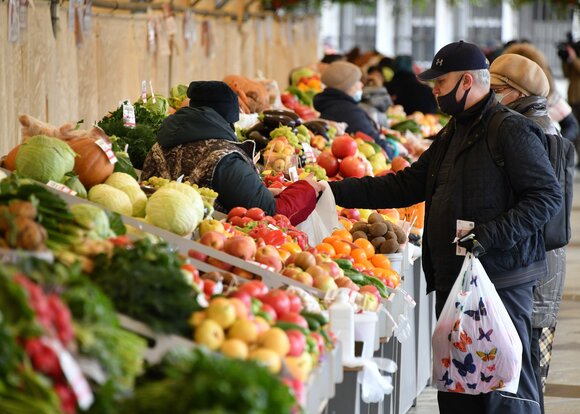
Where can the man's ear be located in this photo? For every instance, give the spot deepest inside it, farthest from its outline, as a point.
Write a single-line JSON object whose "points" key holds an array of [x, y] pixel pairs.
{"points": [[467, 81]]}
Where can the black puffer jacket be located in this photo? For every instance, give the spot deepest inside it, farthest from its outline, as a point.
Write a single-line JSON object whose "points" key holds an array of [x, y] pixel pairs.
{"points": [[479, 193], [336, 105]]}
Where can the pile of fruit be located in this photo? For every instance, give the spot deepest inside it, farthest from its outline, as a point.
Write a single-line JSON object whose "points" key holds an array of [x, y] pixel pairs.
{"points": [[343, 159]]}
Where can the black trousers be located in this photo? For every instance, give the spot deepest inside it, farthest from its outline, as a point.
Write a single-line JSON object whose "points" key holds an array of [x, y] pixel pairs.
{"points": [[518, 302]]}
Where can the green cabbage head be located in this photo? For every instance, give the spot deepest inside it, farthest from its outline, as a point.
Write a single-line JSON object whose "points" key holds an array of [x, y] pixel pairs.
{"points": [[192, 194], [111, 198], [44, 159], [171, 210]]}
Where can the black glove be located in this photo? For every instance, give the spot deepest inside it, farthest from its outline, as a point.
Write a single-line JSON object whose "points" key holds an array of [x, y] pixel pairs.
{"points": [[470, 244]]}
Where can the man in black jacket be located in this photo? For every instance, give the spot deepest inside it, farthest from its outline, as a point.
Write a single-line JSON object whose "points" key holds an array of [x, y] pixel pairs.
{"points": [[458, 180]]}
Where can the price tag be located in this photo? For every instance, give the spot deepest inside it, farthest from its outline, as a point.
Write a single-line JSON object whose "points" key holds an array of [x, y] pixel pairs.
{"points": [[73, 374], [144, 91], [128, 115], [61, 187], [406, 296], [293, 173], [308, 152], [107, 149]]}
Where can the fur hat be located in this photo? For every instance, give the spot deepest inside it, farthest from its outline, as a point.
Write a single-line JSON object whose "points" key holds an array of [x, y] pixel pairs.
{"points": [[216, 95], [341, 75], [519, 73]]}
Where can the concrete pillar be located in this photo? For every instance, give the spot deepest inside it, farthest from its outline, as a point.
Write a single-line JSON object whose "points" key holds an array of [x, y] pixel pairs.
{"points": [[443, 24], [403, 27], [386, 26]]}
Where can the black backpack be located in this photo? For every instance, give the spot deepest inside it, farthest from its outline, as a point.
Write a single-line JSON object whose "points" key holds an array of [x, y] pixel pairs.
{"points": [[557, 231]]}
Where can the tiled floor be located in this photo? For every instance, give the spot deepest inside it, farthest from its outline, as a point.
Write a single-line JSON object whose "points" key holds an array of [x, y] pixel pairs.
{"points": [[562, 394]]}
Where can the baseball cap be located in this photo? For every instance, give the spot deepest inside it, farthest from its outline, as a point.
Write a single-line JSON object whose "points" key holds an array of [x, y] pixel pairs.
{"points": [[456, 56]]}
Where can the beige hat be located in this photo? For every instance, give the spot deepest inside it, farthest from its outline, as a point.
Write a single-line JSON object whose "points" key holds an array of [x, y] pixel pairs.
{"points": [[341, 75], [519, 73]]}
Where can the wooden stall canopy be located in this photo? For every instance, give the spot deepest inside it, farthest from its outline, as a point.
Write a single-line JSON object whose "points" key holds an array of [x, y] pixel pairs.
{"points": [[50, 75]]}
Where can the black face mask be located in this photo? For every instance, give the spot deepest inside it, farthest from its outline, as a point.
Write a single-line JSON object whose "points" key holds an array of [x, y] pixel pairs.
{"points": [[449, 105]]}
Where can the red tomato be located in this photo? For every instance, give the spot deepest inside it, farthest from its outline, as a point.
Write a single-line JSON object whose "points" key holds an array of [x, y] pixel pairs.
{"points": [[237, 212], [278, 299], [352, 167], [254, 288], [343, 146], [329, 162], [255, 213]]}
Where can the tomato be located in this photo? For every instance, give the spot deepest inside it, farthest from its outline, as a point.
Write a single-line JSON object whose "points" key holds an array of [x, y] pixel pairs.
{"points": [[329, 162], [237, 212], [352, 167], [278, 299], [255, 213], [254, 288], [343, 146]]}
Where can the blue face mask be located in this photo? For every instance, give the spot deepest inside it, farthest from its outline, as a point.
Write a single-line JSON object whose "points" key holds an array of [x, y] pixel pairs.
{"points": [[357, 95]]}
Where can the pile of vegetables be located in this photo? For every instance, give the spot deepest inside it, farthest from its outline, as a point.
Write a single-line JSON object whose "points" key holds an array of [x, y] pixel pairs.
{"points": [[211, 384], [146, 283], [141, 138]]}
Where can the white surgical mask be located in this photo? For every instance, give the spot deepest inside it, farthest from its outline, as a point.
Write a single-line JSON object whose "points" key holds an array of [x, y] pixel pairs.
{"points": [[358, 95], [500, 96]]}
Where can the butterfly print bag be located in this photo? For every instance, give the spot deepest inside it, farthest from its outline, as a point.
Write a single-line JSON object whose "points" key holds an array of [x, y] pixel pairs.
{"points": [[476, 348]]}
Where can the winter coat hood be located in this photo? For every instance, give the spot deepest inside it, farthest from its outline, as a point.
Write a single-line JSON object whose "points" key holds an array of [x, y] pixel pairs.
{"points": [[193, 124]]}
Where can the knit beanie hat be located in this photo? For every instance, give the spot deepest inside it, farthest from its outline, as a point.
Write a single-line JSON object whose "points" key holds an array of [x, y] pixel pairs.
{"points": [[217, 95], [519, 73], [341, 75]]}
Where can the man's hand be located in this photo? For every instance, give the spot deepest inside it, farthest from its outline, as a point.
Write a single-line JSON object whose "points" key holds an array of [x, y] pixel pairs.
{"points": [[571, 53], [470, 244]]}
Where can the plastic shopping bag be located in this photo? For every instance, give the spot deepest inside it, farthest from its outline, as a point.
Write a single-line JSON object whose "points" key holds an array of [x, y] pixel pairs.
{"points": [[476, 348], [323, 220]]}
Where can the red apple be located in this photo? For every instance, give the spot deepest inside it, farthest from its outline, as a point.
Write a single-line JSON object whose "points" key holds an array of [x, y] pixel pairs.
{"points": [[350, 213], [319, 341], [295, 302], [269, 256], [243, 296], [294, 318], [277, 299], [269, 310], [352, 166], [297, 342], [194, 254], [291, 270], [243, 247], [332, 268], [213, 239], [371, 289], [219, 264], [304, 277], [329, 162]]}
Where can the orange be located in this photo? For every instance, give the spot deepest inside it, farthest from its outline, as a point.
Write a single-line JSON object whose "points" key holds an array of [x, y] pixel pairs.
{"points": [[330, 239], [343, 234], [381, 260], [358, 255], [367, 246], [346, 223], [342, 248], [326, 248]]}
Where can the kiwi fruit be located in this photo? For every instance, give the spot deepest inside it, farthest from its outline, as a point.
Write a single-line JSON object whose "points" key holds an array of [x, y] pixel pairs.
{"points": [[375, 218], [389, 225], [389, 246], [401, 236], [359, 235], [391, 235], [359, 226], [377, 241], [378, 229]]}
